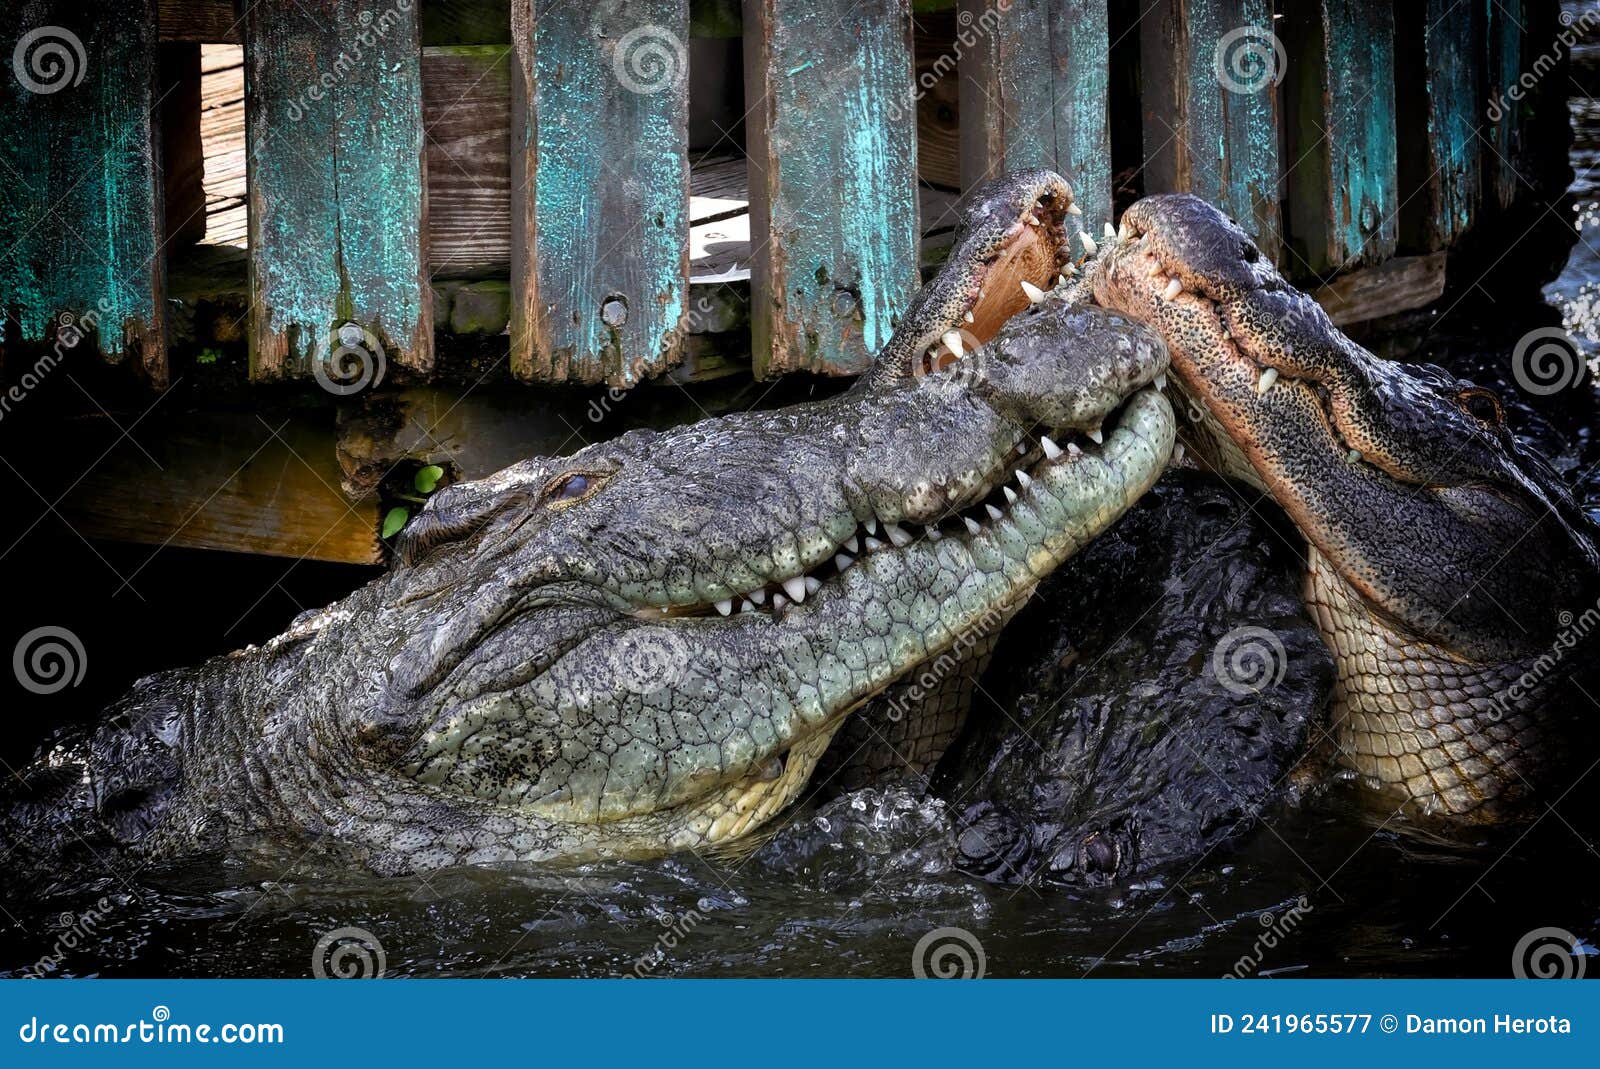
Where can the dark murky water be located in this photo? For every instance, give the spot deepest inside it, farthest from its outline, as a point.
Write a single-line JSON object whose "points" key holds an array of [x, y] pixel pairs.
{"points": [[1327, 889]]}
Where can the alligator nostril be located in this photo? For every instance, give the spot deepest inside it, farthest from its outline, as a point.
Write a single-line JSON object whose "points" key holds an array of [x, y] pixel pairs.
{"points": [[1250, 253]]}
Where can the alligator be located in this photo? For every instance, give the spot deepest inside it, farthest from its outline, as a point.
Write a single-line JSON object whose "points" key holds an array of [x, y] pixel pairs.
{"points": [[1448, 569], [645, 646]]}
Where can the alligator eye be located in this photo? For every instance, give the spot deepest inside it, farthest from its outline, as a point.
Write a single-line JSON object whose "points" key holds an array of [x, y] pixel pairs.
{"points": [[573, 486], [1481, 405]]}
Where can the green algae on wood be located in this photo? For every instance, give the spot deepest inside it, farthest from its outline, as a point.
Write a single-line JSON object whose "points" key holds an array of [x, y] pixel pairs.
{"points": [[333, 123], [1342, 139], [80, 185], [1211, 74], [1437, 92], [600, 189], [833, 188], [1035, 83]]}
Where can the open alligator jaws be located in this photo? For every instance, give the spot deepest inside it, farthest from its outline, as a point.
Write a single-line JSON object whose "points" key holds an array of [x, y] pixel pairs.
{"points": [[646, 646]]}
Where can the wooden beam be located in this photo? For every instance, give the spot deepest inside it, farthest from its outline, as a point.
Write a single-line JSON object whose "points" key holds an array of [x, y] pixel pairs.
{"points": [[466, 111], [1398, 285], [80, 180], [833, 206], [1503, 43], [1345, 206], [600, 188], [182, 152], [333, 120], [1211, 73], [1035, 83], [1440, 115], [213, 21]]}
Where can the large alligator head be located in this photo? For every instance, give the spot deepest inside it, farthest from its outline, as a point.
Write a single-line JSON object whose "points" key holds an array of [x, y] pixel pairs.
{"points": [[1447, 565], [645, 646]]}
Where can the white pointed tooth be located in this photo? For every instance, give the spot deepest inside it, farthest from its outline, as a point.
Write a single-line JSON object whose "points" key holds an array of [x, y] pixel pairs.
{"points": [[1110, 231], [813, 584], [1034, 219], [1264, 383], [778, 603], [1022, 447], [1174, 288], [1161, 381], [1353, 457], [1024, 480], [972, 524], [843, 561], [1011, 495], [1070, 270], [853, 544], [1177, 452], [795, 588], [725, 606], [873, 545], [934, 534], [1051, 450], [665, 609], [897, 534], [1096, 436], [1124, 231], [871, 525], [968, 316], [994, 513], [745, 606], [1035, 294], [1088, 244], [1061, 280], [952, 341], [1073, 450], [758, 595], [1073, 209]]}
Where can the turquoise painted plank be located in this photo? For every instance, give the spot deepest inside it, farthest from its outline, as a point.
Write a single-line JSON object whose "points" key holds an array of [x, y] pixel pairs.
{"points": [[1441, 116], [1504, 22], [1211, 74], [833, 204], [80, 185], [334, 141], [600, 189], [1034, 93], [1343, 188]]}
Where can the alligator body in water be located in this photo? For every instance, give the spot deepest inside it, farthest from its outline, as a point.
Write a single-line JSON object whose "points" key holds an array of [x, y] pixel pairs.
{"points": [[646, 646]]}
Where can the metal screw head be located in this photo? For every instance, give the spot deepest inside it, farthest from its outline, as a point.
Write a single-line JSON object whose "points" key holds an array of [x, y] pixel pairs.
{"points": [[614, 312], [844, 303]]}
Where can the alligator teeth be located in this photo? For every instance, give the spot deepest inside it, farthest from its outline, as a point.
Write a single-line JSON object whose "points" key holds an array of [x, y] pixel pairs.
{"points": [[1051, 450], [725, 606], [843, 562], [795, 588], [779, 603], [1124, 231], [1268, 377], [1024, 480], [897, 534], [1073, 450], [1011, 495], [1034, 219], [1110, 231], [871, 524], [852, 544], [1088, 244], [1353, 457], [1070, 270], [968, 316], [994, 513], [1061, 280], [934, 534], [1177, 452], [1161, 381], [813, 584], [745, 606], [1096, 436], [1035, 294], [757, 596], [1174, 288], [873, 545], [1073, 209], [972, 524], [952, 341]]}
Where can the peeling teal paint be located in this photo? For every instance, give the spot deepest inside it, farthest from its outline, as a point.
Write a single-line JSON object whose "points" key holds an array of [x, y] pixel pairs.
{"points": [[1504, 21], [1450, 42], [1361, 130]]}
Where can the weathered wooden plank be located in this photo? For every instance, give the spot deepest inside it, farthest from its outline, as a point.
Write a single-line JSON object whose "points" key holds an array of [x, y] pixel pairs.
{"points": [[333, 121], [200, 20], [1440, 113], [80, 185], [182, 150], [1503, 43], [1345, 202], [1034, 93], [1397, 285], [833, 207], [1211, 72], [600, 184], [466, 110]]}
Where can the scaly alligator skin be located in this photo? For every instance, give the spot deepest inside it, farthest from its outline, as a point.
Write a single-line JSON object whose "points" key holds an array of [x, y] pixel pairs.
{"points": [[646, 646], [1450, 572]]}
